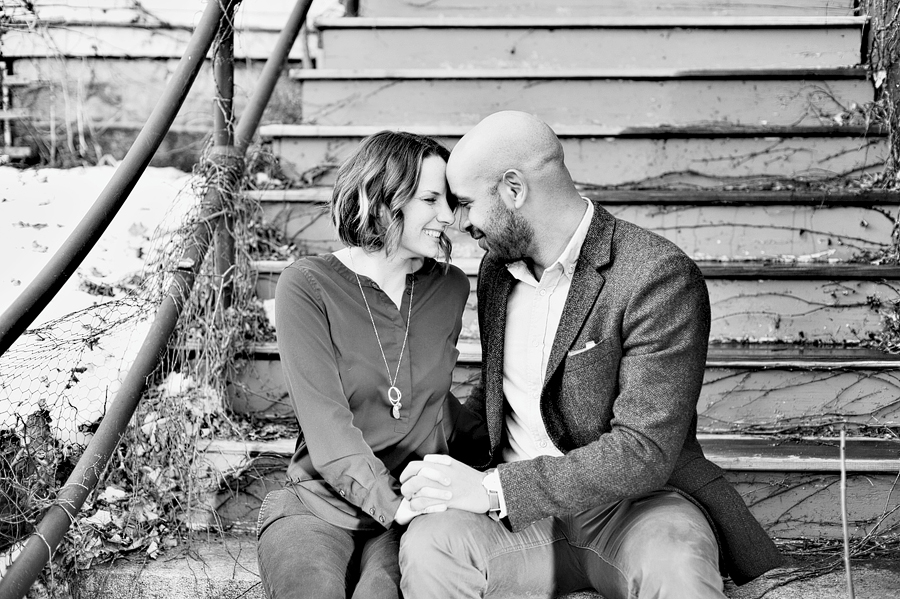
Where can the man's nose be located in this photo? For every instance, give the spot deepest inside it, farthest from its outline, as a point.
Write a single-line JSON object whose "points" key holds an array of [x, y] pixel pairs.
{"points": [[462, 219]]}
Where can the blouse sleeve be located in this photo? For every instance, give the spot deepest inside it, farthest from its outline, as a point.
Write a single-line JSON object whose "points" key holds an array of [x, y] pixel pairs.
{"points": [[338, 451]]}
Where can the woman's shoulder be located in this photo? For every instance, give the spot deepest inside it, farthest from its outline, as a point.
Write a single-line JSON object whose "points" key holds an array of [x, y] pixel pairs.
{"points": [[317, 266], [310, 273]]}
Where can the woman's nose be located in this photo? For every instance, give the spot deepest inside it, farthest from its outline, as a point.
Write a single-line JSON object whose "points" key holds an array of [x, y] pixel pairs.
{"points": [[445, 216]]}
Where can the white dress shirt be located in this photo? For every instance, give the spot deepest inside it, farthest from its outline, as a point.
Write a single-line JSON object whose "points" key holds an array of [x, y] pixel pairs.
{"points": [[533, 311]]}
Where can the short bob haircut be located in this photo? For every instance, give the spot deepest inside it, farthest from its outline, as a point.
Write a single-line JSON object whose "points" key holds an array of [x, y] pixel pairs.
{"points": [[375, 183]]}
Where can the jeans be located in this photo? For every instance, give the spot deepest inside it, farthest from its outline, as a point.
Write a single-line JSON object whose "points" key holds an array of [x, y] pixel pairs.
{"points": [[655, 546], [300, 555]]}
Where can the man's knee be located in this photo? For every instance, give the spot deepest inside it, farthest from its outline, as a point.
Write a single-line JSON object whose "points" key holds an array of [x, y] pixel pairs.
{"points": [[440, 556], [683, 555]]}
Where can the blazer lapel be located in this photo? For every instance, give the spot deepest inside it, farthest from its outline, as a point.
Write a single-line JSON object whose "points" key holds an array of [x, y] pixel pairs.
{"points": [[495, 285], [586, 285]]}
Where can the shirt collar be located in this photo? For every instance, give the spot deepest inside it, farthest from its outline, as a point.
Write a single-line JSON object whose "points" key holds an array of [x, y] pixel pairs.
{"points": [[569, 257]]}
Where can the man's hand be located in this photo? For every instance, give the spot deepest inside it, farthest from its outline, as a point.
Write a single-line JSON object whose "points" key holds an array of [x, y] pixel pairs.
{"points": [[405, 513], [424, 482]]}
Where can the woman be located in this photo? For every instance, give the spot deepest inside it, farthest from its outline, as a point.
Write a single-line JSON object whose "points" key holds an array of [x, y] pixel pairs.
{"points": [[367, 337]]}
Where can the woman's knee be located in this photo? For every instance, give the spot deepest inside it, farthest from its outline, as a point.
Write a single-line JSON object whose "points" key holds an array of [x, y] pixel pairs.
{"points": [[302, 556]]}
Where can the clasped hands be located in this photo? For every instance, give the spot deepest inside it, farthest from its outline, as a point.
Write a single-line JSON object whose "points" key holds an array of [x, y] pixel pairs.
{"points": [[437, 483]]}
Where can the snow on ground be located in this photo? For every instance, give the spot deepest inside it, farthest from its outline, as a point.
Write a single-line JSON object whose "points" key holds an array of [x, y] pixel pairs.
{"points": [[38, 210]]}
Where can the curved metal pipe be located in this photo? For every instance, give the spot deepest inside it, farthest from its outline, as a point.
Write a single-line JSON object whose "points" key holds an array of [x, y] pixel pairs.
{"points": [[31, 302]]}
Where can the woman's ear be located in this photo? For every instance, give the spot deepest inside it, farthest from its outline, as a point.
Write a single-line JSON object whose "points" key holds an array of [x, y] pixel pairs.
{"points": [[513, 188]]}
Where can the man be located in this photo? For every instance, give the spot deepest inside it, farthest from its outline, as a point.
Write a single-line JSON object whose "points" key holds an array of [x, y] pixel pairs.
{"points": [[594, 336]]}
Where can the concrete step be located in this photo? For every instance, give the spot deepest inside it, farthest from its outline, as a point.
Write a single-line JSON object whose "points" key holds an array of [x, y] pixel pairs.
{"points": [[629, 97], [793, 303], [16, 152], [789, 485], [652, 157], [766, 388], [714, 225], [691, 42], [607, 8], [226, 568]]}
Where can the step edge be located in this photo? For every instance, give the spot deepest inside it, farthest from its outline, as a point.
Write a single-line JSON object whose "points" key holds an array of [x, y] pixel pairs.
{"points": [[470, 354], [859, 198], [790, 73], [283, 131], [732, 270], [635, 22], [748, 462]]}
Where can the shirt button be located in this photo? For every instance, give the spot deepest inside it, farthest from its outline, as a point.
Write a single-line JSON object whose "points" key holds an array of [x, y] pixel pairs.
{"points": [[381, 518], [543, 444], [372, 511], [341, 492], [543, 292]]}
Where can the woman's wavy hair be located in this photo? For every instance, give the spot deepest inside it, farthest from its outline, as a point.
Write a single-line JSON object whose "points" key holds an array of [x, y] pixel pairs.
{"points": [[374, 184]]}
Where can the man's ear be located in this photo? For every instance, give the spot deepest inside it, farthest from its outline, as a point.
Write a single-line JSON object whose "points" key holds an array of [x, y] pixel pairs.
{"points": [[513, 188]]}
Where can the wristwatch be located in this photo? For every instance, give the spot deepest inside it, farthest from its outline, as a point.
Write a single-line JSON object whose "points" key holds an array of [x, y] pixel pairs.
{"points": [[491, 484]]}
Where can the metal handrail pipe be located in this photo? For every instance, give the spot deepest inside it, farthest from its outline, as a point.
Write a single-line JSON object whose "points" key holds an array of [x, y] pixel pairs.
{"points": [[253, 112], [32, 301], [224, 155], [42, 543], [39, 548]]}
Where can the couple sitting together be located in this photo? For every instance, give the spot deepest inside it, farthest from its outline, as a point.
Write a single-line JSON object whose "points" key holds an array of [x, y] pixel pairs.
{"points": [[574, 464]]}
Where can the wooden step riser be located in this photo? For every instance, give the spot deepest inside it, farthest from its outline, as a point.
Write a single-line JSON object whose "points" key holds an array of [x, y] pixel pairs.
{"points": [[789, 505], [592, 8], [731, 400], [124, 41], [524, 47], [708, 162], [124, 92], [758, 311], [616, 103], [703, 232], [258, 15]]}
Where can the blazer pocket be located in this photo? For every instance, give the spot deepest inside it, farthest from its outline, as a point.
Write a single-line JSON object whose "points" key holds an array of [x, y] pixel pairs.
{"points": [[587, 356]]}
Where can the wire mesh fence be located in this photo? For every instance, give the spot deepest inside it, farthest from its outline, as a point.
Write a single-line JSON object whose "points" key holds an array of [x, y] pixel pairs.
{"points": [[58, 380]]}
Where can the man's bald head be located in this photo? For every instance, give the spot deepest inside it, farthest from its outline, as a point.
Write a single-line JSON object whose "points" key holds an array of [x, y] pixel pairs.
{"points": [[509, 176], [508, 140]]}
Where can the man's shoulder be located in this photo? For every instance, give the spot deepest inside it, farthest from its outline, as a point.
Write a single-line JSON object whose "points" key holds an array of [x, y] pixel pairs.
{"points": [[635, 245]]}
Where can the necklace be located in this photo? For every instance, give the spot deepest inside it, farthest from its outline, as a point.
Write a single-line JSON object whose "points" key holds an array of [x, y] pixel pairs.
{"points": [[394, 395]]}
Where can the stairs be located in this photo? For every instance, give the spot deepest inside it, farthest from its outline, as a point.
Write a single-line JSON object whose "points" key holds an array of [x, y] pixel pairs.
{"points": [[737, 130]]}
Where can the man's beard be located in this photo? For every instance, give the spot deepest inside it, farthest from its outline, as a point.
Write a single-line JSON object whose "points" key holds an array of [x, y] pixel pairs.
{"points": [[509, 236]]}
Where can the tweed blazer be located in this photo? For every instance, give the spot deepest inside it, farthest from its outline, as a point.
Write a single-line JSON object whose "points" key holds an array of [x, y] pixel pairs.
{"points": [[624, 412]]}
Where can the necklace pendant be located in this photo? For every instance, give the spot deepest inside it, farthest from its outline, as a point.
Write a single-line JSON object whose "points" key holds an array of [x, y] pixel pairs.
{"points": [[394, 396]]}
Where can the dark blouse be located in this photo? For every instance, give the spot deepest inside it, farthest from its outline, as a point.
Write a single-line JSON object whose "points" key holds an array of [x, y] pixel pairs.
{"points": [[351, 450]]}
